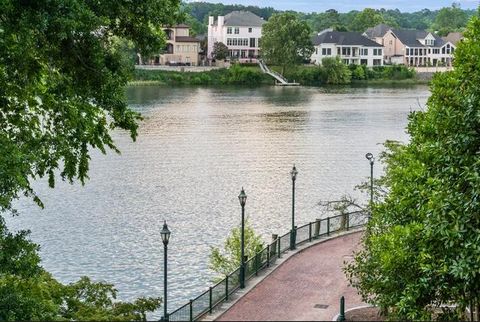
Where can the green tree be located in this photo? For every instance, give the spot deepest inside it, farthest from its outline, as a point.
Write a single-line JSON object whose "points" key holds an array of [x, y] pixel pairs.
{"points": [[220, 51], [62, 78], [367, 18], [63, 68], [336, 71], [286, 40], [421, 248], [227, 260], [450, 19]]}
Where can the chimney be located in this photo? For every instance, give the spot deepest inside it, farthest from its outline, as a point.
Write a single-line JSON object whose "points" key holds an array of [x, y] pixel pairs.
{"points": [[210, 20], [221, 20]]}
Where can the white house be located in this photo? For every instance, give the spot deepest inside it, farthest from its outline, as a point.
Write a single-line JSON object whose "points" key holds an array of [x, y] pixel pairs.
{"points": [[239, 30], [351, 47]]}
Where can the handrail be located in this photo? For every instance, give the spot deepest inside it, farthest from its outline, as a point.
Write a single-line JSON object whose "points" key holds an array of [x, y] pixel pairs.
{"points": [[221, 291]]}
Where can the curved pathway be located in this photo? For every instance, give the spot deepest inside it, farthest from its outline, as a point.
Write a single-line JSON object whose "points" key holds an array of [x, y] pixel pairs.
{"points": [[302, 286]]}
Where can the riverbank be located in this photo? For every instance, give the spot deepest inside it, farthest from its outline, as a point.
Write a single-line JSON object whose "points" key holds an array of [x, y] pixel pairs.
{"points": [[336, 74]]}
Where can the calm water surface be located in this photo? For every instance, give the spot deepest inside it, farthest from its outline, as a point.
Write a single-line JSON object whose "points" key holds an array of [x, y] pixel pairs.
{"points": [[197, 147]]}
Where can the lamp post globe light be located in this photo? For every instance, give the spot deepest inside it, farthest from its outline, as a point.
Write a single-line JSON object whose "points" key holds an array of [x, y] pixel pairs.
{"points": [[165, 233], [293, 232], [371, 159], [243, 200]]}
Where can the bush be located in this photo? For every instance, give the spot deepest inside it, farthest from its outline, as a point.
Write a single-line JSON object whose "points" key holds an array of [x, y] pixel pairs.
{"points": [[336, 71]]}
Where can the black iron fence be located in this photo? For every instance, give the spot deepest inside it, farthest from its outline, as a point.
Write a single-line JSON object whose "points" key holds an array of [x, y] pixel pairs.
{"points": [[222, 291]]}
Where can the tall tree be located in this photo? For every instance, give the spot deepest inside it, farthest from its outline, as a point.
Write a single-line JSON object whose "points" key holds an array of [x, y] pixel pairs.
{"points": [[286, 40], [61, 83], [63, 69], [421, 248], [367, 18], [449, 19]]}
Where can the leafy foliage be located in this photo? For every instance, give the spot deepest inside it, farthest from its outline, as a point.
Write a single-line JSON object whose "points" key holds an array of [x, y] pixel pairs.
{"points": [[336, 71], [220, 51], [62, 73], [421, 248], [450, 19], [286, 40], [367, 18], [28, 292], [228, 260]]}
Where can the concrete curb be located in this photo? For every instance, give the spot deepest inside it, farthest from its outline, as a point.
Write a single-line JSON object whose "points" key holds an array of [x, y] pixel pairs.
{"points": [[254, 281], [352, 309]]}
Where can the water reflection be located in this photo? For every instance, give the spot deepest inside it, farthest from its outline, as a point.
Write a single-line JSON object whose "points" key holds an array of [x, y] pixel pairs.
{"points": [[196, 148]]}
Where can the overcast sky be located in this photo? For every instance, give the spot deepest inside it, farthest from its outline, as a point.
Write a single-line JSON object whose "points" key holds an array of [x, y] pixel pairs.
{"points": [[347, 5]]}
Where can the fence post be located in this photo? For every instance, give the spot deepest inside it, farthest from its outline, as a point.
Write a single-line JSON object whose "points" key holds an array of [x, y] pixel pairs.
{"points": [[268, 255], [226, 288], [328, 226], [341, 316], [348, 221], [279, 248], [317, 227], [191, 310], [309, 231], [210, 300], [273, 248]]}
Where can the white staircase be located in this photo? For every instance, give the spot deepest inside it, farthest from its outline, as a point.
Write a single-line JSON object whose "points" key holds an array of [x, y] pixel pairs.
{"points": [[280, 79]]}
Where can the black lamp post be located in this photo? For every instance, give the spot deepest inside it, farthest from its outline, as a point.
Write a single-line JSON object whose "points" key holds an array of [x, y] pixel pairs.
{"points": [[243, 199], [165, 233], [293, 233], [370, 158]]}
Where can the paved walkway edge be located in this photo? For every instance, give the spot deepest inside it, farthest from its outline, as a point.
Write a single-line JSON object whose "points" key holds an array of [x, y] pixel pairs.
{"points": [[254, 281], [335, 318]]}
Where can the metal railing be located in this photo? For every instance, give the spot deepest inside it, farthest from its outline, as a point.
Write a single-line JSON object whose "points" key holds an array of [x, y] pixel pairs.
{"points": [[221, 292]]}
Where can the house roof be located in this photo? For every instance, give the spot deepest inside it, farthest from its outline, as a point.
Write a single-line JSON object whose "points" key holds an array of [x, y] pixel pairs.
{"points": [[377, 31], [453, 37], [186, 39], [410, 37], [243, 19], [343, 38]]}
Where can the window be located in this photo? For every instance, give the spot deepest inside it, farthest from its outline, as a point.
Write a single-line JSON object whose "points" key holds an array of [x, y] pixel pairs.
{"points": [[249, 30], [377, 62], [346, 51], [237, 30], [243, 54], [391, 42], [324, 51], [363, 61], [252, 42], [346, 62], [416, 51], [229, 30], [364, 51], [338, 51], [316, 50], [377, 52]]}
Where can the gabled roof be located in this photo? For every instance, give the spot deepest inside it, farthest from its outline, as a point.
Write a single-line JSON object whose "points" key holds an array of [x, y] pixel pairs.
{"points": [[343, 38], [377, 31], [410, 37], [453, 37], [243, 19]]}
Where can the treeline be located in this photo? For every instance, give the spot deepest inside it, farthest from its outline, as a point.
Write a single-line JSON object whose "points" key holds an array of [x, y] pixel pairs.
{"points": [[331, 72], [443, 21]]}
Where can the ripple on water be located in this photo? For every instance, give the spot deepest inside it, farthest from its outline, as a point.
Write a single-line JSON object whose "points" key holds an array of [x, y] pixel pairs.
{"points": [[196, 148]]}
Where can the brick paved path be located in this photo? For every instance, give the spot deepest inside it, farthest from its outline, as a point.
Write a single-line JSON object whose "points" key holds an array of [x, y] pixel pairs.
{"points": [[313, 276]]}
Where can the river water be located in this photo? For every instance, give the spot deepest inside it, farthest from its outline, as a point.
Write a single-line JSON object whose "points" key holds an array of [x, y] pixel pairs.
{"points": [[197, 148]]}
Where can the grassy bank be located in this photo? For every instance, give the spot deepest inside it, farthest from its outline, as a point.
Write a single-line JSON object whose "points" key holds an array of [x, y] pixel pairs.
{"points": [[236, 75], [331, 73]]}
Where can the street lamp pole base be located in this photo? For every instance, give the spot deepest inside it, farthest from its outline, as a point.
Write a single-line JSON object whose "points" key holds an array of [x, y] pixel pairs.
{"points": [[242, 276]]}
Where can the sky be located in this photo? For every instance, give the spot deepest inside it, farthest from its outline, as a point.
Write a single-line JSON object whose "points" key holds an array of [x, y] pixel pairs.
{"points": [[347, 5]]}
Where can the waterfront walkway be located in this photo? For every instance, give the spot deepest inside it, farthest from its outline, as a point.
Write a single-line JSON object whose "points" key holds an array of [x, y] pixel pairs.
{"points": [[307, 287]]}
